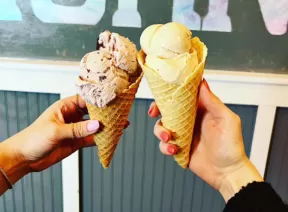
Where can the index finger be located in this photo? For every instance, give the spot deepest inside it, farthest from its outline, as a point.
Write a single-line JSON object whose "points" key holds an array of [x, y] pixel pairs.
{"points": [[77, 104], [77, 100], [72, 108]]}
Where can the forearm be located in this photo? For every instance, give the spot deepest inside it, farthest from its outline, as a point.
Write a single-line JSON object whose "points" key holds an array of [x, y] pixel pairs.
{"points": [[14, 166]]}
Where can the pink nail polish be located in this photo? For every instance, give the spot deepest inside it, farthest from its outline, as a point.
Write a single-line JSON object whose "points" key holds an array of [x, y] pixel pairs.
{"points": [[164, 136], [92, 125], [171, 150]]}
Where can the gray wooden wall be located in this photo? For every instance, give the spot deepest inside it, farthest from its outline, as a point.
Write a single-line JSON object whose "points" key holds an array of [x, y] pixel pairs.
{"points": [[277, 165], [37, 192], [142, 179]]}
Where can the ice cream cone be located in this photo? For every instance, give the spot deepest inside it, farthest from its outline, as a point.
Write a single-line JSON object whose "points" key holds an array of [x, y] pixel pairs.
{"points": [[178, 103], [113, 118]]}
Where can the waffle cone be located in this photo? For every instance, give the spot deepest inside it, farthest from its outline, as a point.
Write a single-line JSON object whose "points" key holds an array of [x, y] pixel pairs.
{"points": [[178, 103], [113, 120]]}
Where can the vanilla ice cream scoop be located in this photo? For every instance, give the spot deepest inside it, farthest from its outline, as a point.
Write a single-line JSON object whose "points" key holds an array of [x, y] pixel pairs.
{"points": [[169, 51], [167, 40], [173, 70]]}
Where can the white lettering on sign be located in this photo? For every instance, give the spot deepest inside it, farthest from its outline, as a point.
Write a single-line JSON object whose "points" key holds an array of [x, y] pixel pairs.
{"points": [[9, 11], [183, 12], [90, 13], [275, 15], [217, 18], [274, 12], [127, 14]]}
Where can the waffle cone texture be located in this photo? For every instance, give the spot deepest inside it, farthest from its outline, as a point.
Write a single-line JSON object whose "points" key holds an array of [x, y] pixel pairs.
{"points": [[178, 103], [113, 120]]}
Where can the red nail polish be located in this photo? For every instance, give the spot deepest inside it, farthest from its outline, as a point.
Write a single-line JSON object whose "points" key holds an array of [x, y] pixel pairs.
{"points": [[171, 150], [164, 136], [150, 111], [127, 124], [206, 84]]}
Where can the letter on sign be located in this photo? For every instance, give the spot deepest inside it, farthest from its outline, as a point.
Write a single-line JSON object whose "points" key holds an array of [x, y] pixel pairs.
{"points": [[90, 13], [275, 15], [217, 18], [9, 11], [127, 14], [183, 12]]}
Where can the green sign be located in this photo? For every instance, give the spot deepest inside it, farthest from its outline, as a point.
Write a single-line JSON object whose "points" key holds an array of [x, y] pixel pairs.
{"points": [[246, 35]]}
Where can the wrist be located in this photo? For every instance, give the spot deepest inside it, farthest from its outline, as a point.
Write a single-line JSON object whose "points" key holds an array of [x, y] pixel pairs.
{"points": [[12, 163], [240, 178]]}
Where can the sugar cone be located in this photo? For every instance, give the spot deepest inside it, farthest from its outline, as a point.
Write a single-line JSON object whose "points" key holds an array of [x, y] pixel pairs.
{"points": [[113, 119], [178, 103]]}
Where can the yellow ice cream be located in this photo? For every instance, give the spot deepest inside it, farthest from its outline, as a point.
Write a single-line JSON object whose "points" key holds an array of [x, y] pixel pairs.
{"points": [[169, 51]]}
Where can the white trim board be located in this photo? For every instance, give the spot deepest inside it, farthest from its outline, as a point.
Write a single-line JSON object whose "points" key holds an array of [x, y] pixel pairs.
{"points": [[262, 137], [231, 87]]}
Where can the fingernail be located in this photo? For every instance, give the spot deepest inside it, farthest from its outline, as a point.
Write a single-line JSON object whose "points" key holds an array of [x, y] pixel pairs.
{"points": [[92, 125], [171, 150], [164, 136], [150, 111], [206, 84], [127, 124]]}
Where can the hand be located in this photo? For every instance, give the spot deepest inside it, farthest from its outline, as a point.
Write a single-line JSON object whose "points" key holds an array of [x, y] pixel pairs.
{"points": [[217, 151], [56, 134]]}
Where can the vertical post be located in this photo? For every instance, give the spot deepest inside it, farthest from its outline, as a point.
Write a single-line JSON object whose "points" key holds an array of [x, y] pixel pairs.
{"points": [[9, 11], [217, 18], [262, 137], [183, 12], [70, 178], [127, 14]]}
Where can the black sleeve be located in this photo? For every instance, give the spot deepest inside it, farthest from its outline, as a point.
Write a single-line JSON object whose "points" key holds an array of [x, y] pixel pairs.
{"points": [[256, 197]]}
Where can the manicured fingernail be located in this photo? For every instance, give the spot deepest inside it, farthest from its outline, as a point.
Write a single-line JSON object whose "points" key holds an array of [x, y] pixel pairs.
{"points": [[206, 84], [171, 150], [93, 125], [127, 124], [164, 136], [150, 110]]}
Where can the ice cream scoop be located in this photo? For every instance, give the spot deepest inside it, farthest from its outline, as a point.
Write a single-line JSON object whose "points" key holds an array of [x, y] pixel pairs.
{"points": [[123, 50], [107, 72], [100, 82], [169, 51], [167, 40], [175, 69]]}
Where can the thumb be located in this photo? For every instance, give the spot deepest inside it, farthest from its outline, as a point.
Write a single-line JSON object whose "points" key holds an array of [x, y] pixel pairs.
{"points": [[210, 102], [80, 129]]}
